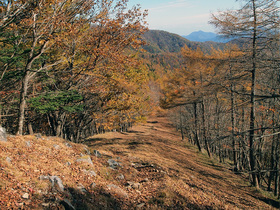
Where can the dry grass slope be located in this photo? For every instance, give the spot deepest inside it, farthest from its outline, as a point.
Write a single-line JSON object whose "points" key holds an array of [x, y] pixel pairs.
{"points": [[158, 171]]}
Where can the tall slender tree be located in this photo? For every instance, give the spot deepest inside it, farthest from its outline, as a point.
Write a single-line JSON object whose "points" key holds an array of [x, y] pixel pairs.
{"points": [[256, 23]]}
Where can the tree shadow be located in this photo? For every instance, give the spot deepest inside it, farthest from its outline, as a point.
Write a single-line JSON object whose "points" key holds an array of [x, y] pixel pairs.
{"points": [[269, 201], [153, 122], [99, 199], [131, 131], [101, 141]]}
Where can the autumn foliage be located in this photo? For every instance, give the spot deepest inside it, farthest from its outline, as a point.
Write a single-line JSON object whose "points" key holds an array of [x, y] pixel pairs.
{"points": [[70, 68], [226, 99]]}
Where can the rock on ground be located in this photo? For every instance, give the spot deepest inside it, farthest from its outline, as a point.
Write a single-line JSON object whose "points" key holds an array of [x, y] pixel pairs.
{"points": [[85, 159], [3, 134], [113, 164], [55, 181], [117, 190], [96, 153], [67, 204]]}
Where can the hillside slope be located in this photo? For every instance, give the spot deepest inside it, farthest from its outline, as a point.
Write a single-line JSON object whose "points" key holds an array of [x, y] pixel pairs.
{"points": [[164, 42], [163, 50], [148, 167]]}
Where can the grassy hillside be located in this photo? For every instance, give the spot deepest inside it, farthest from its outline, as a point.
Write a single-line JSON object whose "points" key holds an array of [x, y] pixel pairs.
{"points": [[149, 167]]}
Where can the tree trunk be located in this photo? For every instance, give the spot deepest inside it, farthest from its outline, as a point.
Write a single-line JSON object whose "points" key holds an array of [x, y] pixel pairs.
{"points": [[30, 129], [204, 129], [217, 129], [276, 184], [196, 127], [252, 102], [22, 103], [181, 124], [233, 140], [272, 165], [60, 124]]}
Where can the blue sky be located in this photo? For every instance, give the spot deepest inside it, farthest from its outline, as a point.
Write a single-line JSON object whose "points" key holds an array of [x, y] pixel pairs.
{"points": [[183, 16]]}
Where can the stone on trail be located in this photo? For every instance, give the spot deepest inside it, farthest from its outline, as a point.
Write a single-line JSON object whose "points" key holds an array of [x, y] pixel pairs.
{"points": [[68, 145], [28, 144], [120, 176], [89, 172], [96, 153], [81, 188], [9, 160], [92, 185], [140, 205], [117, 190], [57, 147], [87, 151], [38, 136], [85, 159], [3, 134], [55, 181], [25, 196], [113, 164], [67, 204]]}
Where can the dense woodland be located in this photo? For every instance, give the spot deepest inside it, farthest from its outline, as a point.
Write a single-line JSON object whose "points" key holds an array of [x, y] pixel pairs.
{"points": [[70, 68], [227, 100], [77, 68]]}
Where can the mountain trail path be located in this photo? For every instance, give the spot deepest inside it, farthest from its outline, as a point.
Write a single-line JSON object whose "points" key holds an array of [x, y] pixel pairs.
{"points": [[179, 176]]}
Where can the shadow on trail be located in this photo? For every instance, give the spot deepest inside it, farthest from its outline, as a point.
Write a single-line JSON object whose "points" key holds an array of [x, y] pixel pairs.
{"points": [[272, 202], [87, 201], [131, 131], [101, 141]]}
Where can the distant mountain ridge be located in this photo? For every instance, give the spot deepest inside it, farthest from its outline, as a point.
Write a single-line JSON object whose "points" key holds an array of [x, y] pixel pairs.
{"points": [[164, 42], [201, 36], [162, 49], [159, 41]]}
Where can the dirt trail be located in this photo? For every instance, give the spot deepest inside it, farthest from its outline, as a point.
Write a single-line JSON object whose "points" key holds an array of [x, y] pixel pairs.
{"points": [[181, 177]]}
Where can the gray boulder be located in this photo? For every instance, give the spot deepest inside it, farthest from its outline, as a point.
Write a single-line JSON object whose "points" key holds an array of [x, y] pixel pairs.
{"points": [[28, 144], [120, 176], [38, 136], [81, 188], [133, 185], [68, 145], [140, 205], [117, 190], [3, 134], [9, 160], [25, 196], [92, 185], [57, 147], [89, 172], [87, 151], [113, 164], [96, 153], [67, 204], [55, 182], [85, 159], [42, 177]]}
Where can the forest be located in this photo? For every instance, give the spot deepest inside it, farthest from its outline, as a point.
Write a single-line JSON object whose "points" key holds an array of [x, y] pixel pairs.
{"points": [[69, 68], [76, 68]]}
